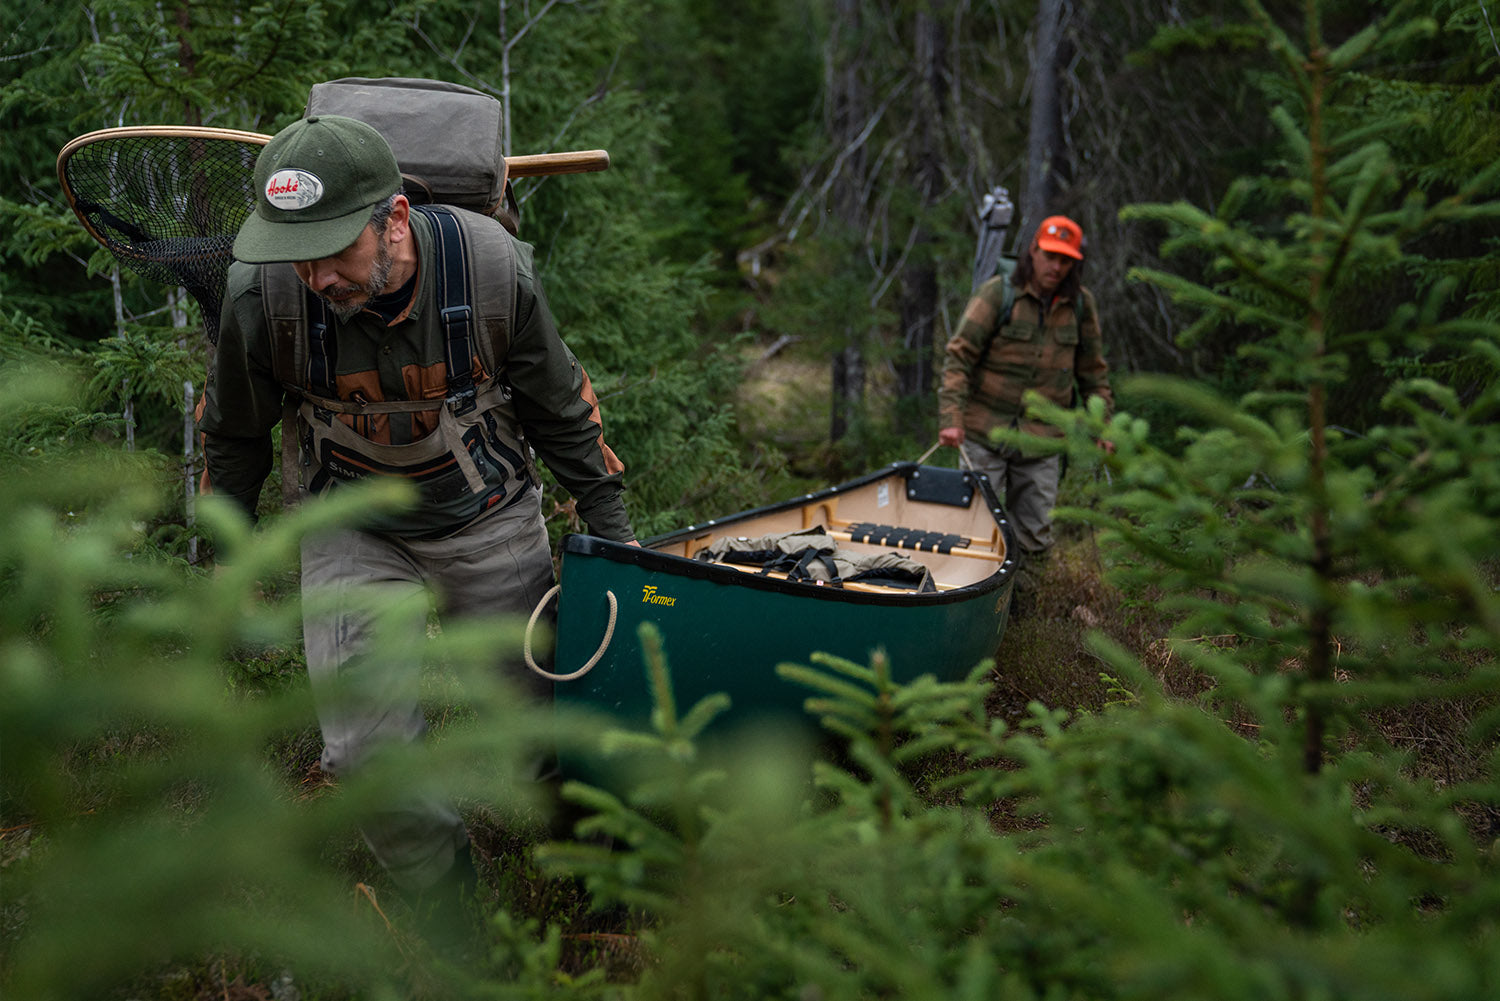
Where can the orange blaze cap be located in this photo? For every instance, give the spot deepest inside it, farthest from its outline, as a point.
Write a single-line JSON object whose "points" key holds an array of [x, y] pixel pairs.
{"points": [[1060, 235]]}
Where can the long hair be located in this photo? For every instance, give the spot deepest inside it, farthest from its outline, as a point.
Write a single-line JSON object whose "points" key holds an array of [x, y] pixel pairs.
{"points": [[1072, 283]]}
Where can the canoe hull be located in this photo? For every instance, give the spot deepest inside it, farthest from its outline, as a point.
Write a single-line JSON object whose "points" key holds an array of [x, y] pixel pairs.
{"points": [[725, 630]]}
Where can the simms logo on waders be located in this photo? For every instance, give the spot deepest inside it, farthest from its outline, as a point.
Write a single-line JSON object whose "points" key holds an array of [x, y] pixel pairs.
{"points": [[650, 597]]}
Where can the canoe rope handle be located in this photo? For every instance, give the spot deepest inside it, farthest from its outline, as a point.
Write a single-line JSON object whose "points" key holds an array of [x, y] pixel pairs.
{"points": [[609, 634], [963, 457]]}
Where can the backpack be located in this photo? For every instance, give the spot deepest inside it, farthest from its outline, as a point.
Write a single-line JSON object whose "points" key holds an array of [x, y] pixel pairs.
{"points": [[811, 556], [447, 138]]}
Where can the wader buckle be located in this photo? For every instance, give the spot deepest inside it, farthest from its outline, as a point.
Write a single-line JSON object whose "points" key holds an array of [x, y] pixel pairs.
{"points": [[462, 401]]}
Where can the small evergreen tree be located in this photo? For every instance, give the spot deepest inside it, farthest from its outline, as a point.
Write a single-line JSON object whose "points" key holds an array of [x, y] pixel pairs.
{"points": [[1328, 581], [1287, 531]]}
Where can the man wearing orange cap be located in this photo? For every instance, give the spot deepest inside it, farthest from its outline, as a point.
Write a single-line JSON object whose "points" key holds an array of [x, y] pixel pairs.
{"points": [[1049, 342]]}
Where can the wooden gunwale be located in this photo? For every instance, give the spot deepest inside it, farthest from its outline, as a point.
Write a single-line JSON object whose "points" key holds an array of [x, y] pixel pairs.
{"points": [[957, 570]]}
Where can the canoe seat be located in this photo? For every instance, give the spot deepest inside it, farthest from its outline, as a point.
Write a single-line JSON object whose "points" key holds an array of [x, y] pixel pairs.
{"points": [[905, 538]]}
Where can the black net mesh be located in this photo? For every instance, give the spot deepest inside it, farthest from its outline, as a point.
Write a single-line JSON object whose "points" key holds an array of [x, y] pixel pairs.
{"points": [[167, 206]]}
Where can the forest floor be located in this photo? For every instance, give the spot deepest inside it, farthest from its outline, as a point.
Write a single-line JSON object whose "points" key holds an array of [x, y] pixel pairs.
{"points": [[1045, 654]]}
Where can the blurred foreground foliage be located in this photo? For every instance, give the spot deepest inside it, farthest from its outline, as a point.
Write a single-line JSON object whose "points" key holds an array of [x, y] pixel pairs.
{"points": [[1160, 847], [145, 821]]}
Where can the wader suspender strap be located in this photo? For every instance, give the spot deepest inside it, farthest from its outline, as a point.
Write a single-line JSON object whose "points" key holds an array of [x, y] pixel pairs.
{"points": [[455, 299], [796, 567]]}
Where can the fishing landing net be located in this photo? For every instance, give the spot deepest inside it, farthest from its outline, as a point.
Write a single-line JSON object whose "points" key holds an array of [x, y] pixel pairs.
{"points": [[166, 201]]}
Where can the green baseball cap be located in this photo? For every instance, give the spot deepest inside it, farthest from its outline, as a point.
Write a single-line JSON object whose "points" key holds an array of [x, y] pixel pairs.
{"points": [[317, 182]]}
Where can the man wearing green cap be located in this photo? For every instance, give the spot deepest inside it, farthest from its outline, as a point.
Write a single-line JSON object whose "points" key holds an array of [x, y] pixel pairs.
{"points": [[390, 377], [1049, 341]]}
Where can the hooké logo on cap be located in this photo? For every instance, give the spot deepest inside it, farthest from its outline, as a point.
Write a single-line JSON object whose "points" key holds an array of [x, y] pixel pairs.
{"points": [[293, 189]]}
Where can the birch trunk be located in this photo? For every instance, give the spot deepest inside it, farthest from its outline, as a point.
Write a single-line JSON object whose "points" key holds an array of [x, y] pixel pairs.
{"points": [[128, 412], [189, 450], [848, 108]]}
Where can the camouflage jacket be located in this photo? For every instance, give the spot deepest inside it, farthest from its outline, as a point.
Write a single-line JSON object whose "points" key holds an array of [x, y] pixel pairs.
{"points": [[1048, 350]]}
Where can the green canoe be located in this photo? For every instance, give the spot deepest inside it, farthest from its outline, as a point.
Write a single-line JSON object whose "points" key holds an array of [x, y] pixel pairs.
{"points": [[725, 625]]}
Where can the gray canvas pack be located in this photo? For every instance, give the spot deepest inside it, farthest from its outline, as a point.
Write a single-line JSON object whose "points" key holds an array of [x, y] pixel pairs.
{"points": [[446, 137]]}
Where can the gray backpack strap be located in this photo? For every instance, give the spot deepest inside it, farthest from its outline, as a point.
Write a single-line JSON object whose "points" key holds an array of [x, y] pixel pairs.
{"points": [[284, 299], [1007, 305], [490, 259]]}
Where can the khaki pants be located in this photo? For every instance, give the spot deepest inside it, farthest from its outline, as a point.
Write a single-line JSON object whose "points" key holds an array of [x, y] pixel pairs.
{"points": [[367, 686], [1028, 489]]}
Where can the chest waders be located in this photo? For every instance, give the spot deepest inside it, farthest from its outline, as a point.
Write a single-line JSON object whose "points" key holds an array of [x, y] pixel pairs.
{"points": [[477, 459]]}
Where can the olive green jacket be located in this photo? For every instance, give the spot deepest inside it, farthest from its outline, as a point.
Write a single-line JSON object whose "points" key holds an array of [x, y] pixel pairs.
{"points": [[554, 402]]}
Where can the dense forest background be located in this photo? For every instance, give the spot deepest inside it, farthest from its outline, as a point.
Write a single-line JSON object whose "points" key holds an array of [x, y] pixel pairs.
{"points": [[793, 204], [1247, 749]]}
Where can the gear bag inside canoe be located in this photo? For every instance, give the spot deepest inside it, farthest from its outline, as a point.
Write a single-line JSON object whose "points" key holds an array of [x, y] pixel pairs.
{"points": [[813, 557]]}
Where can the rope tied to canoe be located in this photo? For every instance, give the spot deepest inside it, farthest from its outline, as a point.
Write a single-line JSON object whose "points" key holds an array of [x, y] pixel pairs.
{"points": [[609, 634], [963, 457]]}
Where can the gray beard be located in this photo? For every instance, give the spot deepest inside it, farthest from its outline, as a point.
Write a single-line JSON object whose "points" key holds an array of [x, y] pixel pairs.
{"points": [[380, 277]]}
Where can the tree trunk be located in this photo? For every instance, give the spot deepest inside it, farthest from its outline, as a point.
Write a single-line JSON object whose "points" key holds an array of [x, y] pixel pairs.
{"points": [[179, 316], [919, 287], [848, 108], [505, 44], [187, 58], [848, 389], [1047, 164], [189, 470], [128, 414], [914, 368]]}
